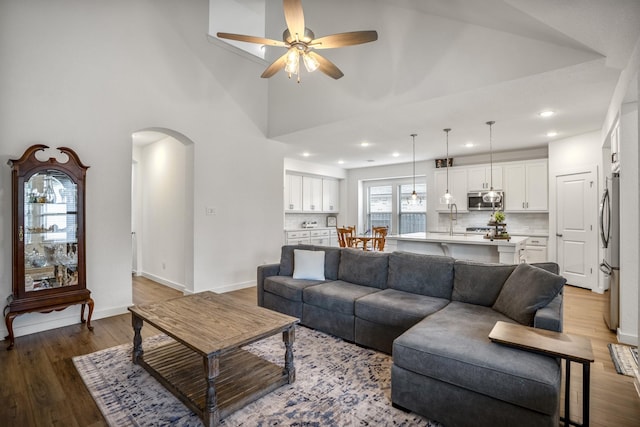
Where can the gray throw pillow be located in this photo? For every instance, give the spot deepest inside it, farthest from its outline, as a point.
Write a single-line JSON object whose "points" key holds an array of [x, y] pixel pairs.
{"points": [[526, 290]]}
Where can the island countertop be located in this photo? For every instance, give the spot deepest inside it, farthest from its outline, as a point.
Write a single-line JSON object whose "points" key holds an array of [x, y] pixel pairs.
{"points": [[461, 246], [458, 238]]}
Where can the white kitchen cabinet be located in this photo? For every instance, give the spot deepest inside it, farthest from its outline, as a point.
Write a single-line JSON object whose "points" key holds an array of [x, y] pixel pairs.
{"points": [[311, 194], [479, 178], [293, 193], [297, 237], [330, 195], [526, 186], [457, 188], [320, 237]]}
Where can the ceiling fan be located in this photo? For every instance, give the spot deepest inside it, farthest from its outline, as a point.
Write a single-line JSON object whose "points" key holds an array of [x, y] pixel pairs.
{"points": [[301, 43]]}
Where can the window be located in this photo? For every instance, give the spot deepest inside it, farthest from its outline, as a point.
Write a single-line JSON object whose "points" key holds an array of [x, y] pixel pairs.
{"points": [[387, 205]]}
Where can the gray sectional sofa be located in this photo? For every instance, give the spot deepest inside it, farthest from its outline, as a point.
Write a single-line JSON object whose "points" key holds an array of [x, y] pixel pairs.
{"points": [[434, 315]]}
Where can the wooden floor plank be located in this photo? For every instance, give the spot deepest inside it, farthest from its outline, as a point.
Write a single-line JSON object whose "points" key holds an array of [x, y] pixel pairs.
{"points": [[614, 400]]}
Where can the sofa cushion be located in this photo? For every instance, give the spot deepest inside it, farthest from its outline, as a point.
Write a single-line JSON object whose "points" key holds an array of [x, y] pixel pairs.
{"points": [[479, 283], [430, 275], [526, 290], [397, 308], [331, 260], [452, 346], [308, 264], [364, 268], [336, 296], [287, 287]]}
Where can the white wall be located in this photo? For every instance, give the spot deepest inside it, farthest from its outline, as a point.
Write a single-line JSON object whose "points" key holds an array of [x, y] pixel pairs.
{"points": [[629, 223], [580, 153], [627, 90], [165, 212], [87, 75]]}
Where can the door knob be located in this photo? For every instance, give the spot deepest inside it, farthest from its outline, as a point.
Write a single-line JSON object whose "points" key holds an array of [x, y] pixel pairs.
{"points": [[558, 235]]}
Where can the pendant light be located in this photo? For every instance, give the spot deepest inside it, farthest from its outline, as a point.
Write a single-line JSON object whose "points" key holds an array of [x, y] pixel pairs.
{"points": [[414, 199], [447, 198], [492, 196]]}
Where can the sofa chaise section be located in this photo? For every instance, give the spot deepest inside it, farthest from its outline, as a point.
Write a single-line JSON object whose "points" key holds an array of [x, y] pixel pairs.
{"points": [[446, 368]]}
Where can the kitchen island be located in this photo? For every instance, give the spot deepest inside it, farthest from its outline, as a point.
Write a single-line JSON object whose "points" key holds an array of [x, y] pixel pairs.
{"points": [[461, 246]]}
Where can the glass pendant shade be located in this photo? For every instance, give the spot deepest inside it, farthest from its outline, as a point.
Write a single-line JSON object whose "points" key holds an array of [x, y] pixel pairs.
{"points": [[292, 63], [310, 63], [414, 199], [491, 196], [447, 198]]}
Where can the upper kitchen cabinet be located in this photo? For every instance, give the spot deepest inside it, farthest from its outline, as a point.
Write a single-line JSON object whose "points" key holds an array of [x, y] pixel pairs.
{"points": [[457, 188], [526, 186], [304, 193], [330, 195], [311, 194], [293, 193], [479, 178]]}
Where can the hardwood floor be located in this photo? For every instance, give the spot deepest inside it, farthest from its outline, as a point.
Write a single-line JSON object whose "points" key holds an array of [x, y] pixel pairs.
{"points": [[41, 387]]}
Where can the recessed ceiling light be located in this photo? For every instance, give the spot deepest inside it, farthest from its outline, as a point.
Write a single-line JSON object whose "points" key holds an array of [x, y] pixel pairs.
{"points": [[364, 144], [306, 154], [552, 133], [469, 144], [341, 162], [546, 113], [396, 154]]}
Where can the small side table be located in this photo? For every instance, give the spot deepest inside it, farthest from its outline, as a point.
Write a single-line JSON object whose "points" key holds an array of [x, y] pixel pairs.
{"points": [[571, 348]]}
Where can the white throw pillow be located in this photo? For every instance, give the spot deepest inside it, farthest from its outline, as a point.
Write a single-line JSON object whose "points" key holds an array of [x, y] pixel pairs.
{"points": [[308, 264]]}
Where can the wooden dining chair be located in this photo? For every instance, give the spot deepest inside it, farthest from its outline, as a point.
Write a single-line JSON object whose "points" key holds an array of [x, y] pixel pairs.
{"points": [[380, 234], [345, 236]]}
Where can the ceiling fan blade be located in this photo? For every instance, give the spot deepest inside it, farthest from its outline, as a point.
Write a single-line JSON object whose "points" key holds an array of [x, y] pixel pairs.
{"points": [[344, 39], [295, 17], [275, 66], [326, 66], [251, 39]]}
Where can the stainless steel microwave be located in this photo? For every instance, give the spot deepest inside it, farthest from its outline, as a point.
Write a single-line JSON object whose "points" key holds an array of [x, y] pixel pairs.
{"points": [[475, 202]]}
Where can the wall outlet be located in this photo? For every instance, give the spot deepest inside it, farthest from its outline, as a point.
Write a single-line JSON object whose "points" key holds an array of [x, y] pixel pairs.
{"points": [[164, 265], [210, 211]]}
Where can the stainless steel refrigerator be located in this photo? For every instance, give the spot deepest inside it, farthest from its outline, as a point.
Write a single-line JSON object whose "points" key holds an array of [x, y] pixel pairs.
{"points": [[610, 241]]}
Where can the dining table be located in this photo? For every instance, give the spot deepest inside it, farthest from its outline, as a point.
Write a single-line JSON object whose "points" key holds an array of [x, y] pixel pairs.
{"points": [[354, 240]]}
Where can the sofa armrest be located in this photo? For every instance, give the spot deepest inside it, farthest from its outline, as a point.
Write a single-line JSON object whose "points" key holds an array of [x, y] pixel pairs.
{"points": [[550, 317], [265, 271]]}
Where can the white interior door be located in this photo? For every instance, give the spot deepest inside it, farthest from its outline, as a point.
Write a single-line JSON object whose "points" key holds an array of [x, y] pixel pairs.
{"points": [[576, 229]]}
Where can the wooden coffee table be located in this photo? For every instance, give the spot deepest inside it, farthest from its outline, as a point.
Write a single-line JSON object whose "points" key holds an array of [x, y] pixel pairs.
{"points": [[571, 348], [204, 365]]}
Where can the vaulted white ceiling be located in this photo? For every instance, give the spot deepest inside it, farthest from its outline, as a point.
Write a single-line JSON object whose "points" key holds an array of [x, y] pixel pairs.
{"points": [[450, 63]]}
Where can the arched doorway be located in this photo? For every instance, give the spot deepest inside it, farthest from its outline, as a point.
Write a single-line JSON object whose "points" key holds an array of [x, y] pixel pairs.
{"points": [[162, 207]]}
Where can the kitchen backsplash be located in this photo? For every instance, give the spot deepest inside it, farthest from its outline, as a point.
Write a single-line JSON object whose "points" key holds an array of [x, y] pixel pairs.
{"points": [[295, 220], [516, 222]]}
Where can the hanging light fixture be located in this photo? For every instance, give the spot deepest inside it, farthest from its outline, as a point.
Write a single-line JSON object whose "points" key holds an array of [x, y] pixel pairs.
{"points": [[447, 198], [492, 196], [414, 199]]}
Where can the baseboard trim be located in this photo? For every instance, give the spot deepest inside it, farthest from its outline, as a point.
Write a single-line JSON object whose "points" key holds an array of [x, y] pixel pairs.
{"points": [[624, 338], [165, 282], [30, 323]]}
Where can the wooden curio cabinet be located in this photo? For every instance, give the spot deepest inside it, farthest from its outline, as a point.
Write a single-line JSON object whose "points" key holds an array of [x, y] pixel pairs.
{"points": [[48, 236]]}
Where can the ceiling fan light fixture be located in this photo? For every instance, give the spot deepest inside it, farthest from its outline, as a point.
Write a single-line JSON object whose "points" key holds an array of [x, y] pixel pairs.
{"points": [[310, 63], [292, 63]]}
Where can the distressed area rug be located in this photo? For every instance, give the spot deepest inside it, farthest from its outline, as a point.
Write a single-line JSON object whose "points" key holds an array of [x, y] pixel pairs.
{"points": [[337, 384], [625, 358]]}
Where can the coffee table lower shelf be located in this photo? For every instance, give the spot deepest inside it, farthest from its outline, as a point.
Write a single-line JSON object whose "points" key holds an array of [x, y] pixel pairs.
{"points": [[244, 377]]}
